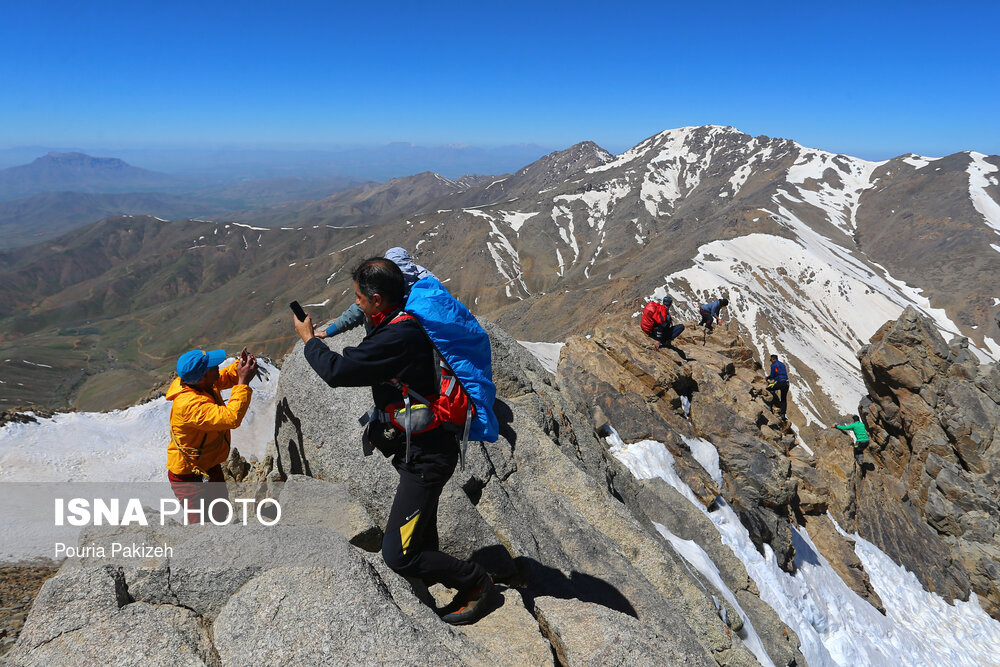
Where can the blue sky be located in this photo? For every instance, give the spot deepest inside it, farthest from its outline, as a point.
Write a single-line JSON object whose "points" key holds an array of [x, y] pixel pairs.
{"points": [[869, 79]]}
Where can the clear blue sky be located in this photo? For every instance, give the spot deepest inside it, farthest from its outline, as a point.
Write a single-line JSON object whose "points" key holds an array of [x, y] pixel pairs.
{"points": [[868, 79]]}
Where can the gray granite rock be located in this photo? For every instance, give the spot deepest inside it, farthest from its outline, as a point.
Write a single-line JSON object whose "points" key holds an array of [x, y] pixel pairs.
{"points": [[510, 635], [306, 501], [330, 616], [86, 617], [583, 633]]}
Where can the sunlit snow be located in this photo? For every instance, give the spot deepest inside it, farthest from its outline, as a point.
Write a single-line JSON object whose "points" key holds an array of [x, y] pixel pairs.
{"points": [[839, 203], [979, 179], [919, 161], [690, 551], [834, 624], [837, 304], [121, 446], [546, 353]]}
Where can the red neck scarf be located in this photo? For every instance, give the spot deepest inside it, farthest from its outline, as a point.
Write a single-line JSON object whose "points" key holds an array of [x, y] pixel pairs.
{"points": [[379, 317]]}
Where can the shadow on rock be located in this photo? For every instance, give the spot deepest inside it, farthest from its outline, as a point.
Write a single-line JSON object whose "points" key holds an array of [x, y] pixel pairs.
{"points": [[803, 552], [536, 580], [506, 418], [298, 464]]}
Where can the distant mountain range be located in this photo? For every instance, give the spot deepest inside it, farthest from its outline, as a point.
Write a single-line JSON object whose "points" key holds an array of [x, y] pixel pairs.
{"points": [[814, 250], [77, 172], [67, 190], [214, 166], [40, 217]]}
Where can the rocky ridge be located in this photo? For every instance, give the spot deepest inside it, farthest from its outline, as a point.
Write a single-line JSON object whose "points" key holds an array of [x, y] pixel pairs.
{"points": [[928, 495], [573, 537], [536, 508]]}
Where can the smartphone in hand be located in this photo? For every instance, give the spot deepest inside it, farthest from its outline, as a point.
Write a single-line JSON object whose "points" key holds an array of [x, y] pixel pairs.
{"points": [[300, 314]]}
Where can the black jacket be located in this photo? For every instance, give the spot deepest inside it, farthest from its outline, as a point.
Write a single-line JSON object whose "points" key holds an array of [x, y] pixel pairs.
{"points": [[401, 350]]}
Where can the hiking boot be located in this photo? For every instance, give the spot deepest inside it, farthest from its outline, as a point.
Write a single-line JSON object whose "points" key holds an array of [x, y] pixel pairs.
{"points": [[473, 604]]}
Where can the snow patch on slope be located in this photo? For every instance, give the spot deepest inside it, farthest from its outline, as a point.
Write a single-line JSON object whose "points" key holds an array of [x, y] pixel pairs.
{"points": [[979, 179], [691, 552], [121, 446], [598, 202], [505, 256], [812, 301], [919, 161], [677, 168], [839, 201], [834, 624], [515, 219], [546, 353]]}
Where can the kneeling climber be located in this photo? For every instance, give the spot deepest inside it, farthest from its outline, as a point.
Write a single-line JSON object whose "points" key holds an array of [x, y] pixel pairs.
{"points": [[658, 325]]}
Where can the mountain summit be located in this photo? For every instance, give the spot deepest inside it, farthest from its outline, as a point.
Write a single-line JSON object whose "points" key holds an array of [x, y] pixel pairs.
{"points": [[78, 172]]}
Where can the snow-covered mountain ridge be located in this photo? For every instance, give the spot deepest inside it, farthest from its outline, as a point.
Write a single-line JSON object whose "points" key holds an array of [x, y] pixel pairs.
{"points": [[815, 250]]}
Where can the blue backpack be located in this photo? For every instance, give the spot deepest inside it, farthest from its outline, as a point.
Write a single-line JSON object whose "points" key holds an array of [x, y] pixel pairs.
{"points": [[463, 348]]}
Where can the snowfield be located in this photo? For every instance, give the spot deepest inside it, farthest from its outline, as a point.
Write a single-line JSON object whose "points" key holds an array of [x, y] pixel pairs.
{"points": [[980, 178], [546, 353], [834, 624], [120, 446], [837, 304]]}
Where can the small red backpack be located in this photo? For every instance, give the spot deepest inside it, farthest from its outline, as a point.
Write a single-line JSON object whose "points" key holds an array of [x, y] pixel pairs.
{"points": [[450, 408]]}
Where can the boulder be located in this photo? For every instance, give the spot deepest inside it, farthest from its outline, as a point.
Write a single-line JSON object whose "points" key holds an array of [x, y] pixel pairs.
{"points": [[85, 617], [326, 615], [306, 501], [582, 633], [510, 635]]}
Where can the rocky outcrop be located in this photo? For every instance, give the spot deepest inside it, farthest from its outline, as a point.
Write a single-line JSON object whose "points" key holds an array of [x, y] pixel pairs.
{"points": [[572, 628], [568, 531], [928, 495], [771, 479], [642, 392]]}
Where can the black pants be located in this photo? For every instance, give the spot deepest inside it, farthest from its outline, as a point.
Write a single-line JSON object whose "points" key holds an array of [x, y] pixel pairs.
{"points": [[859, 448], [666, 334], [779, 390], [706, 320], [410, 544]]}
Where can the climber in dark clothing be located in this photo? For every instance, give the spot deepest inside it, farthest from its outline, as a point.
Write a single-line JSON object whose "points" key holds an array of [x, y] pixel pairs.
{"points": [[861, 439], [778, 384], [397, 347], [712, 312]]}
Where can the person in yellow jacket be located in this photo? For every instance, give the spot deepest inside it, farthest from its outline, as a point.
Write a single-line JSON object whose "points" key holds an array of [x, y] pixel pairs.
{"points": [[200, 422]]}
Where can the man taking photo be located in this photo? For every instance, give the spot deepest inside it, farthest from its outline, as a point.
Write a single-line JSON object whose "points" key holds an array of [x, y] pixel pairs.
{"points": [[200, 422], [396, 348]]}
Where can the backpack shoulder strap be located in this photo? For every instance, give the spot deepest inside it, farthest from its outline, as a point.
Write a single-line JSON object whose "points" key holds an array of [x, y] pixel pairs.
{"points": [[402, 317]]}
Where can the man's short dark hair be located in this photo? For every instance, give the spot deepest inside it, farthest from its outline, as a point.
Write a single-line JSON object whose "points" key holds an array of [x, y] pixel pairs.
{"points": [[774, 356], [378, 275], [855, 418]]}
